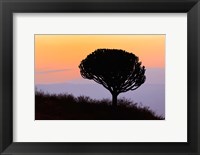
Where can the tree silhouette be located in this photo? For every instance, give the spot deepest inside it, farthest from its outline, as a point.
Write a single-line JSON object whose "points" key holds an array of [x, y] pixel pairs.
{"points": [[117, 70]]}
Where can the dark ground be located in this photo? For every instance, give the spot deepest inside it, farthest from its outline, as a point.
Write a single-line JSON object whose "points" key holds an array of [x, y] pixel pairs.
{"points": [[68, 107]]}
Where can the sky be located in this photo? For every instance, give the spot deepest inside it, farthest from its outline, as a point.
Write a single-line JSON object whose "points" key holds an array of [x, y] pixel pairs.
{"points": [[57, 57]]}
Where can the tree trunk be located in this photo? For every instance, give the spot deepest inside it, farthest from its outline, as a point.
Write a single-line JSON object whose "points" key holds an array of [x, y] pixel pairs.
{"points": [[114, 100]]}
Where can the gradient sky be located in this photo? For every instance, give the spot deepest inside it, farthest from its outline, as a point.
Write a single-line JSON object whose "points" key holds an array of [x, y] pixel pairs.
{"points": [[57, 57]]}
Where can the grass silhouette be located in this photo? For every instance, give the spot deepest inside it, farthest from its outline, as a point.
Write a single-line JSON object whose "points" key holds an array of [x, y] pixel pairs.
{"points": [[67, 107]]}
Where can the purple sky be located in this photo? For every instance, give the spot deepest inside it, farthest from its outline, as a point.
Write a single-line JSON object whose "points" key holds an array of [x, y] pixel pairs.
{"points": [[151, 93]]}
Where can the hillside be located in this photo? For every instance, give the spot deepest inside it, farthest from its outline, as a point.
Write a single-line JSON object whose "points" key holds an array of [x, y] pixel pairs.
{"points": [[68, 107], [151, 95]]}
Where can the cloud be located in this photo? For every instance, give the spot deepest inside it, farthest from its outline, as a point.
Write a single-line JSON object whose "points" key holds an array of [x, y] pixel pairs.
{"points": [[52, 71]]}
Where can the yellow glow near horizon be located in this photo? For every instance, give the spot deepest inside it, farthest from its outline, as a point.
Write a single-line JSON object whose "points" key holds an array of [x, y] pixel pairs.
{"points": [[58, 52]]}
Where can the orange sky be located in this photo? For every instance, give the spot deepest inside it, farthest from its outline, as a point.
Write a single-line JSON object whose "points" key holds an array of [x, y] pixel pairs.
{"points": [[57, 56]]}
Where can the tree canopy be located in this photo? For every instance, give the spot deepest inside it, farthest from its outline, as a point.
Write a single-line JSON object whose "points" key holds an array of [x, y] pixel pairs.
{"points": [[117, 70]]}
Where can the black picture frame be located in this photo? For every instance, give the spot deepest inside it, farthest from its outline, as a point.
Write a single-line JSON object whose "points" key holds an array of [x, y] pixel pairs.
{"points": [[8, 7]]}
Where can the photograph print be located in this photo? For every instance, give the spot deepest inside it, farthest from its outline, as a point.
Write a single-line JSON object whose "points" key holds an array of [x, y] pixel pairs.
{"points": [[99, 76]]}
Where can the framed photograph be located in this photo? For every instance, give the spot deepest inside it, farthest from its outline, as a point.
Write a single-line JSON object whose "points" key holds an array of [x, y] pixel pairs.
{"points": [[99, 77], [81, 88]]}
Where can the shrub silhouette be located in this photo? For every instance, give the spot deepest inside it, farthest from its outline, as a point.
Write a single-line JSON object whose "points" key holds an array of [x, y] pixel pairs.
{"points": [[117, 70]]}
